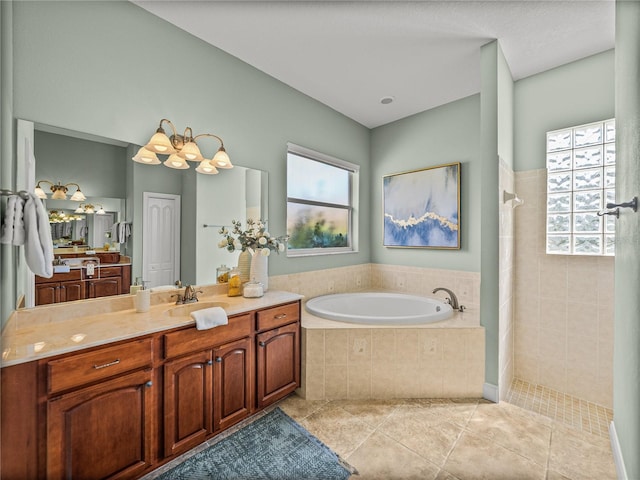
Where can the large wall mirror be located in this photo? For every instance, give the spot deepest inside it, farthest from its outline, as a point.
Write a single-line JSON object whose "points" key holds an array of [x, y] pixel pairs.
{"points": [[103, 170]]}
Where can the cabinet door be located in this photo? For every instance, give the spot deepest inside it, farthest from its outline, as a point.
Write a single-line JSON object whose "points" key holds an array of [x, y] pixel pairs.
{"points": [[232, 383], [47, 293], [278, 363], [104, 287], [103, 431], [187, 402], [70, 291]]}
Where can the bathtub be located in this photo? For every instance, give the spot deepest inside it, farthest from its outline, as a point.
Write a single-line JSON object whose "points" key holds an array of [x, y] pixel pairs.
{"points": [[380, 308]]}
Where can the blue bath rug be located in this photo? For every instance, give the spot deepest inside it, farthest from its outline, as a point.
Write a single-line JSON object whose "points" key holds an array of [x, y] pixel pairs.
{"points": [[274, 447]]}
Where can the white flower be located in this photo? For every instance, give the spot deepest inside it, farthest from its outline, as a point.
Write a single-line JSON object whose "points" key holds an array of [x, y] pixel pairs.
{"points": [[237, 244], [222, 243], [262, 241], [267, 234], [265, 252], [281, 247]]}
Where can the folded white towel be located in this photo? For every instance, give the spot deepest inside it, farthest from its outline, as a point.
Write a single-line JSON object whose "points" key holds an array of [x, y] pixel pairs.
{"points": [[38, 245], [13, 226], [210, 317]]}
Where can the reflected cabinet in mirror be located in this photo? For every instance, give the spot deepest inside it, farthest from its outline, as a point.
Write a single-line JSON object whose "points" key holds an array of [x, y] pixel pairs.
{"points": [[132, 221]]}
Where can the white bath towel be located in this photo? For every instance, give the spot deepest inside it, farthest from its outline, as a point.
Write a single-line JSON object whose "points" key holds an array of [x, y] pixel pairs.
{"points": [[13, 226], [209, 318], [38, 245]]}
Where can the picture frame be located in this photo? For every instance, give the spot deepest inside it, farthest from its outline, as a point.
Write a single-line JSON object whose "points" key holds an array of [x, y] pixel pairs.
{"points": [[421, 208]]}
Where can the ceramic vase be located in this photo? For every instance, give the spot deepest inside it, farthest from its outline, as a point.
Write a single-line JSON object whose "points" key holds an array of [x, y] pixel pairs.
{"points": [[244, 265], [260, 269]]}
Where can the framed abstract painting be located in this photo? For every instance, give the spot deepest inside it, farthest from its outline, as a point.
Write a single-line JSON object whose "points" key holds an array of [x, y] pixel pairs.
{"points": [[422, 208]]}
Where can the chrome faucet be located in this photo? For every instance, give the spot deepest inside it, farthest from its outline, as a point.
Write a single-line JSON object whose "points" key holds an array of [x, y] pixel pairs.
{"points": [[452, 300]]}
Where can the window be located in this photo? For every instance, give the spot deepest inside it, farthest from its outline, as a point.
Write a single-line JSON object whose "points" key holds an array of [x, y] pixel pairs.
{"points": [[321, 193], [581, 176]]}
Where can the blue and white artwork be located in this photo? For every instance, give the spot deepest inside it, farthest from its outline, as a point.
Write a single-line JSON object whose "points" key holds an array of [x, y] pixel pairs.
{"points": [[422, 208]]}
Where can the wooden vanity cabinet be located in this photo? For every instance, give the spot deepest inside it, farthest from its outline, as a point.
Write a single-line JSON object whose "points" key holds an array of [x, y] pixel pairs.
{"points": [[100, 413], [278, 353], [56, 292], [209, 390], [103, 287]]}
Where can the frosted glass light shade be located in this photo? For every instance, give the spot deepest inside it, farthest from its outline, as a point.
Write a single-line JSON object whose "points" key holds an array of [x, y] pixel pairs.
{"points": [[100, 211], [174, 161], [146, 157], [59, 194], [80, 209], [40, 193], [191, 152], [206, 168], [78, 196], [160, 143], [221, 159]]}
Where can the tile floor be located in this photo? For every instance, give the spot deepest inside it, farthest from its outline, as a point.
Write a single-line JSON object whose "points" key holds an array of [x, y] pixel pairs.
{"points": [[452, 440], [575, 412]]}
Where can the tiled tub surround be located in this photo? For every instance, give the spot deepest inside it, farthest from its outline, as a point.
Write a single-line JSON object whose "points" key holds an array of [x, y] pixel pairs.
{"points": [[564, 307], [348, 361]]}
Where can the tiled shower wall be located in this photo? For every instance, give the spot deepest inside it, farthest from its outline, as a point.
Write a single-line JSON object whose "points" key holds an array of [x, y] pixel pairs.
{"points": [[506, 268], [563, 307]]}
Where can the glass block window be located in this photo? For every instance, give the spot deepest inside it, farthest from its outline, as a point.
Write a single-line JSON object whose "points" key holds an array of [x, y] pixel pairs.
{"points": [[321, 203], [581, 176]]}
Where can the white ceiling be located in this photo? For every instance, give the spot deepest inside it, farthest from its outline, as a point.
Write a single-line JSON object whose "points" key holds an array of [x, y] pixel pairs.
{"points": [[348, 55]]}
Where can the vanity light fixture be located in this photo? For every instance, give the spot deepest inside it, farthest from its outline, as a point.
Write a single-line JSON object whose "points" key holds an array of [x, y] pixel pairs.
{"points": [[59, 191], [181, 149], [89, 209], [59, 216]]}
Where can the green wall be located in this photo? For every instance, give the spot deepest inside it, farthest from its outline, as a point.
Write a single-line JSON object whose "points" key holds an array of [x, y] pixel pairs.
{"points": [[89, 66], [572, 94], [626, 356], [450, 133]]}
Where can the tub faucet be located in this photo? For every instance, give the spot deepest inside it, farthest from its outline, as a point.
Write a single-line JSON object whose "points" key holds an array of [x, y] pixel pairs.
{"points": [[452, 300]]}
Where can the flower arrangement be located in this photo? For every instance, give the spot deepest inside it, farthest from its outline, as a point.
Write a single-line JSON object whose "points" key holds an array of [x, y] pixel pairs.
{"points": [[254, 238]]}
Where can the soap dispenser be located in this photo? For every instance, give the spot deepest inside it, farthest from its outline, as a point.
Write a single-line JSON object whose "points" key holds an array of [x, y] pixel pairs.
{"points": [[142, 301], [133, 289]]}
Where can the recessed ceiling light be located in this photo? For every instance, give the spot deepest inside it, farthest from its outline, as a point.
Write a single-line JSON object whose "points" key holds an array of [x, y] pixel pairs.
{"points": [[387, 100]]}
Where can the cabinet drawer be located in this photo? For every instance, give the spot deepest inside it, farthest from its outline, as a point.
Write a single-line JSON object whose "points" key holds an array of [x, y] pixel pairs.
{"points": [[83, 368], [61, 277], [276, 316], [191, 340], [110, 272]]}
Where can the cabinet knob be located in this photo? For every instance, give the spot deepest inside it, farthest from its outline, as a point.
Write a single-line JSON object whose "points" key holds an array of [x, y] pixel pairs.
{"points": [[218, 359], [209, 362], [148, 384], [261, 344]]}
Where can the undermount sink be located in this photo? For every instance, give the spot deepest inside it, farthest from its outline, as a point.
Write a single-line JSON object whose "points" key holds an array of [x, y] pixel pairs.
{"points": [[185, 310]]}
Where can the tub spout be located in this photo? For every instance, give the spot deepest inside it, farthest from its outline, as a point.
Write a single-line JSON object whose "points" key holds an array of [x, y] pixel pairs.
{"points": [[452, 300]]}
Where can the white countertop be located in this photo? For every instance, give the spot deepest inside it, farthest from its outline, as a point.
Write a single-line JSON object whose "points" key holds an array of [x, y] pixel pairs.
{"points": [[24, 341]]}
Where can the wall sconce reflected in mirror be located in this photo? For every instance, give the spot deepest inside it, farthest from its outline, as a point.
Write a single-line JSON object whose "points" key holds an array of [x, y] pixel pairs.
{"points": [[508, 196], [89, 209], [59, 216], [181, 149], [59, 191]]}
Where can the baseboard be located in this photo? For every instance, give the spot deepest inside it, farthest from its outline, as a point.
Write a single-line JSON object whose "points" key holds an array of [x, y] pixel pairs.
{"points": [[490, 392], [617, 453]]}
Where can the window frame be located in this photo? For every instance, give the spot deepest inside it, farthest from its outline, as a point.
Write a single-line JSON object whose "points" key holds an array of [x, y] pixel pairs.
{"points": [[352, 207]]}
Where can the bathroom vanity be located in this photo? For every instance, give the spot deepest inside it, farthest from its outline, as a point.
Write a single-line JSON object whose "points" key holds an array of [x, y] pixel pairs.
{"points": [[123, 407]]}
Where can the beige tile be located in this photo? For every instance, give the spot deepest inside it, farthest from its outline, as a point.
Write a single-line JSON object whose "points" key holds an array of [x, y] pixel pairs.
{"points": [[383, 380], [457, 411], [359, 381], [380, 458], [337, 428], [359, 347], [407, 348], [444, 475], [336, 382], [336, 346], [431, 436], [314, 382], [580, 455], [508, 426], [383, 345], [373, 412], [313, 346], [299, 408], [476, 458]]}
